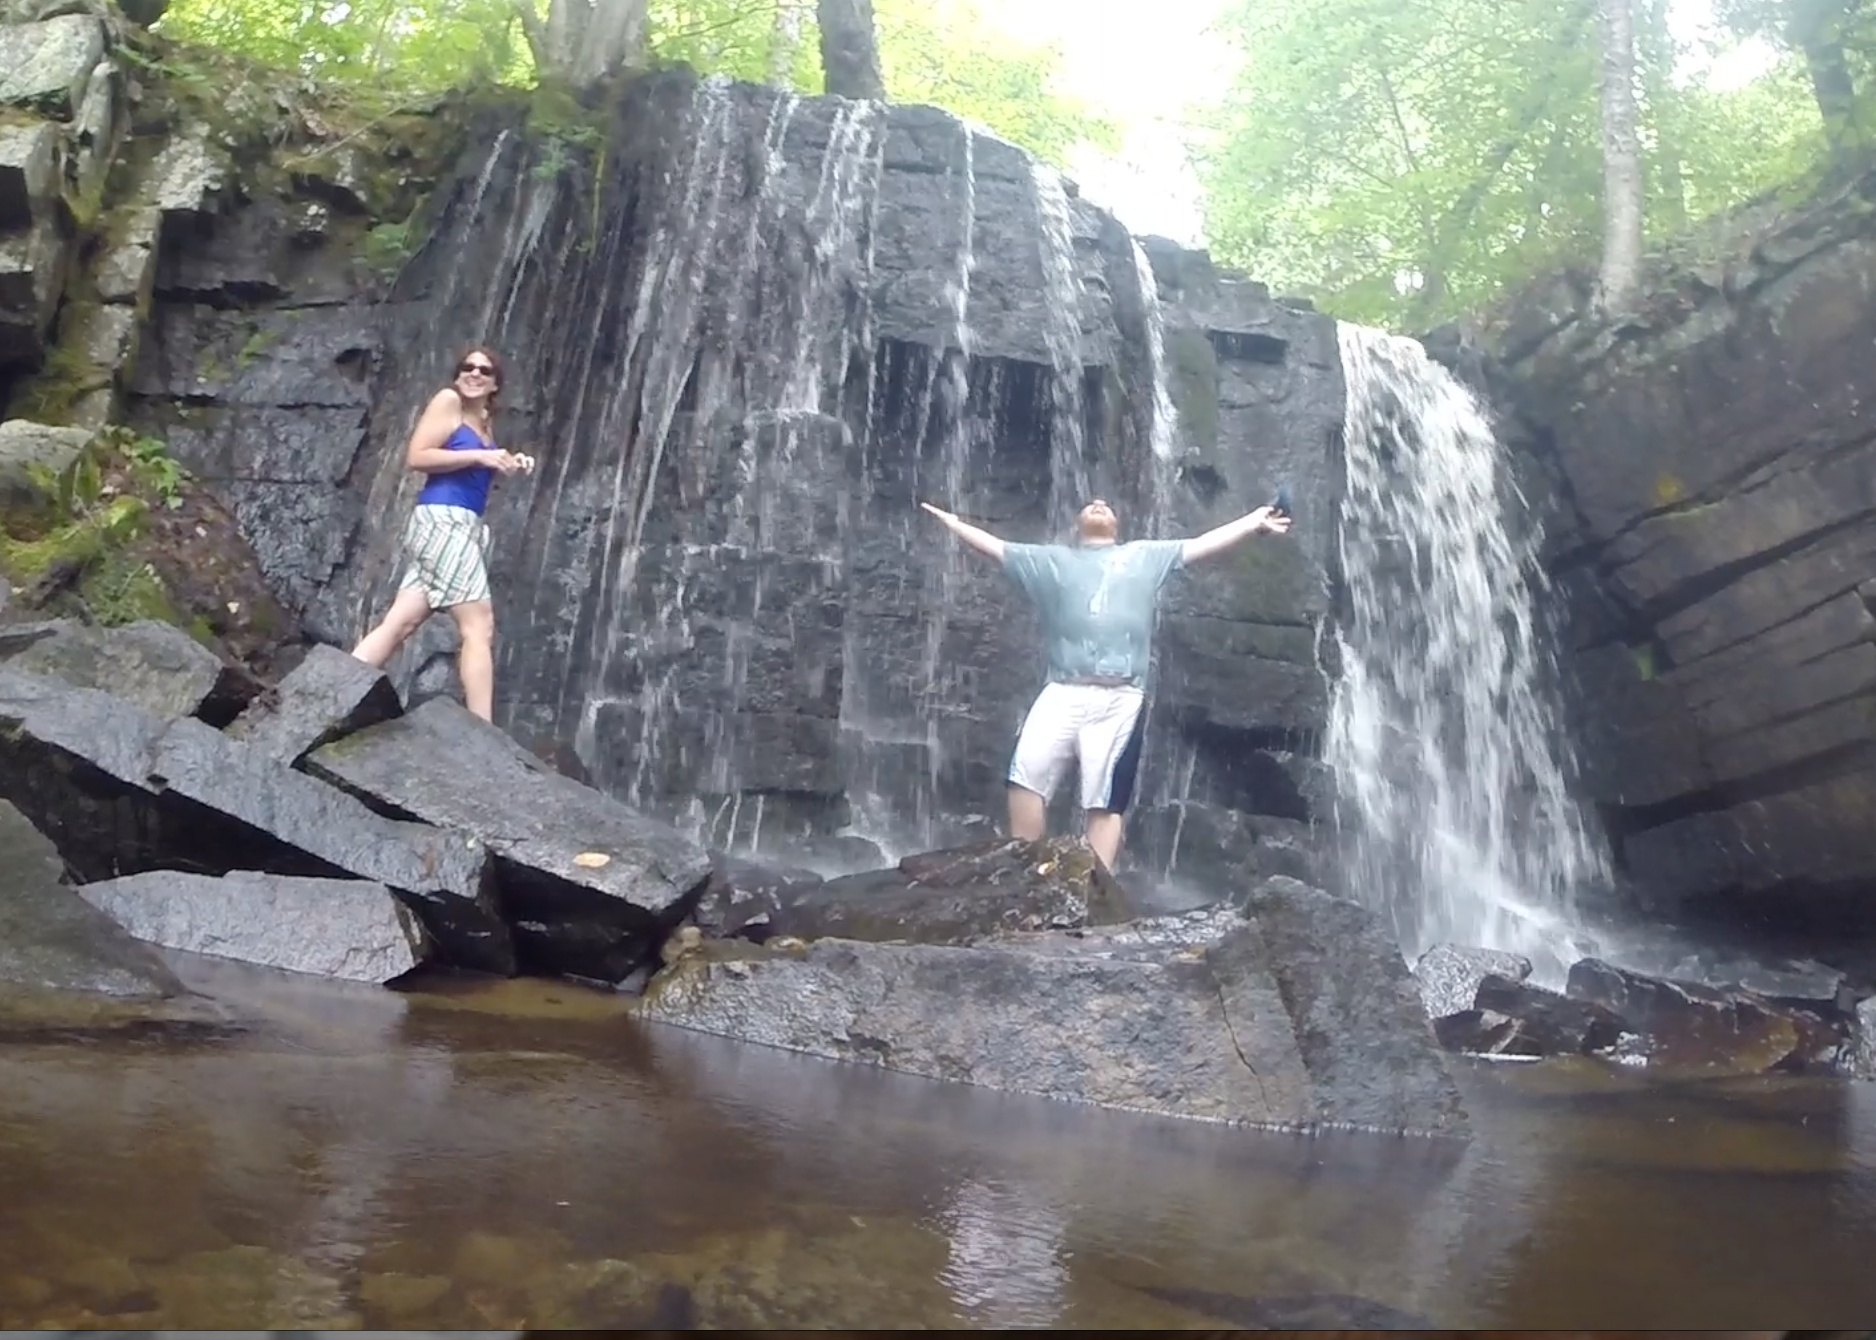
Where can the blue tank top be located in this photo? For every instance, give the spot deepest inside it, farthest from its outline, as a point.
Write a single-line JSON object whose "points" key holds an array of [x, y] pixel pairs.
{"points": [[461, 488]]}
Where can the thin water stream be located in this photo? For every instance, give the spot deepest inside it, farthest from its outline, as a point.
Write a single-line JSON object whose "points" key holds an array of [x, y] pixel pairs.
{"points": [[522, 1154]]}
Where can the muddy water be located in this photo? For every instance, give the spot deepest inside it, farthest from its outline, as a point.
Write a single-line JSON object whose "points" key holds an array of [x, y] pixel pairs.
{"points": [[522, 1154]]}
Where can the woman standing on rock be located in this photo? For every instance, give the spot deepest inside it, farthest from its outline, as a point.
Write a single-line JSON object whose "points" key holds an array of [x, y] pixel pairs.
{"points": [[446, 541]]}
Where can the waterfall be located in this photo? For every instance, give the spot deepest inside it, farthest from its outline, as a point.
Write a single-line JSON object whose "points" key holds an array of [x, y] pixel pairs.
{"points": [[875, 748], [1061, 290], [1453, 776], [1165, 414]]}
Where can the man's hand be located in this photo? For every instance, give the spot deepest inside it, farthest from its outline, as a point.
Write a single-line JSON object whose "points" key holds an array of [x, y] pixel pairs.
{"points": [[981, 540], [1220, 538], [1269, 519]]}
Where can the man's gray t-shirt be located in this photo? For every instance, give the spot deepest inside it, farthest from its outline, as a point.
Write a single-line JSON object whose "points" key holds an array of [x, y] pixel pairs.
{"points": [[1097, 602]]}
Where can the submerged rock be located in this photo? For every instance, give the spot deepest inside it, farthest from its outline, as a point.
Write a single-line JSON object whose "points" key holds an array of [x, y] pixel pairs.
{"points": [[1449, 975], [590, 887], [1514, 1018], [1293, 1312], [1295, 1015], [350, 929], [950, 897], [745, 893], [1684, 1025], [328, 695], [126, 792]]}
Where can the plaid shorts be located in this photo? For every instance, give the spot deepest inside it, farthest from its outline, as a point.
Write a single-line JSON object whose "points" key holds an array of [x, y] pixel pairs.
{"points": [[447, 549]]}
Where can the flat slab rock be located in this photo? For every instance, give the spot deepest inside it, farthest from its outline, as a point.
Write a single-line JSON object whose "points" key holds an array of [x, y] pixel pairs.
{"points": [[349, 929], [957, 896], [1228, 1017], [124, 791], [589, 886]]}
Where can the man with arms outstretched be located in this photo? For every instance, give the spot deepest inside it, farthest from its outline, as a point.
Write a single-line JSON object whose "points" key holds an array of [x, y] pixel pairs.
{"points": [[1098, 600]]}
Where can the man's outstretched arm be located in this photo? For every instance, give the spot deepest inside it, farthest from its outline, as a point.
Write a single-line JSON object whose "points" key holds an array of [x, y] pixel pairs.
{"points": [[981, 540], [1220, 538]]}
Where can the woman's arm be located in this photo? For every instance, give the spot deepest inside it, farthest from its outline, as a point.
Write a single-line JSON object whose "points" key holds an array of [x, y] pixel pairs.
{"points": [[426, 452]]}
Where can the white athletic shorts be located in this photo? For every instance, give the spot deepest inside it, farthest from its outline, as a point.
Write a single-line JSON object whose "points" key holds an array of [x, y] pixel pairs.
{"points": [[1094, 726]]}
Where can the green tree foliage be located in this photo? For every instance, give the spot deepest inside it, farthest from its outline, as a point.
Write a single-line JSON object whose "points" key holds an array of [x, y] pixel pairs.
{"points": [[1403, 160], [944, 52]]}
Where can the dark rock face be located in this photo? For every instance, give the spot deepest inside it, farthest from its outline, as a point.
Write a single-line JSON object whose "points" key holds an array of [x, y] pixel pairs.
{"points": [[1514, 1018], [1287, 1014], [350, 929], [1696, 1027], [589, 887], [950, 897], [328, 695], [1715, 528], [741, 365]]}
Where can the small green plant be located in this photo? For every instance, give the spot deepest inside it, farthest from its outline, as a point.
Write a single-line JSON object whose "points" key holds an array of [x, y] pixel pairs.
{"points": [[256, 344], [156, 470], [388, 246]]}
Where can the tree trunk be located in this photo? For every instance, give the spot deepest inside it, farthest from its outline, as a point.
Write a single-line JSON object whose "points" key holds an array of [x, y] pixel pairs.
{"points": [[1816, 28], [850, 49], [1621, 161], [585, 41]]}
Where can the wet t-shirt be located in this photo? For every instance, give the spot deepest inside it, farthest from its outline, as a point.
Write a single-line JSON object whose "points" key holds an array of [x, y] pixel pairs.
{"points": [[1097, 602]]}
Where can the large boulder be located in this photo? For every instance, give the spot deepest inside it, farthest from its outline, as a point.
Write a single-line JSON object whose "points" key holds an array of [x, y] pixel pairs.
{"points": [[589, 886], [328, 695], [154, 665], [949, 897], [122, 792], [349, 929], [46, 66], [1291, 1010], [63, 963]]}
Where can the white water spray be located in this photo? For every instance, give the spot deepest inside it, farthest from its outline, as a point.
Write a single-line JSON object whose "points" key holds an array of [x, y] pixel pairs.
{"points": [[1454, 798]]}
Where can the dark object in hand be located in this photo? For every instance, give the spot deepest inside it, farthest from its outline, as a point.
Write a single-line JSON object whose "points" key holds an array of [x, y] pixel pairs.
{"points": [[1280, 505]]}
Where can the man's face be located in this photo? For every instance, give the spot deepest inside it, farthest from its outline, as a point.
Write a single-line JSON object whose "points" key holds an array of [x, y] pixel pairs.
{"points": [[1097, 521]]}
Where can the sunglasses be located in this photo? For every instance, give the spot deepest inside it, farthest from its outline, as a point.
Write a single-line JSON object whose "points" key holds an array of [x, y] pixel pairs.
{"points": [[464, 368]]}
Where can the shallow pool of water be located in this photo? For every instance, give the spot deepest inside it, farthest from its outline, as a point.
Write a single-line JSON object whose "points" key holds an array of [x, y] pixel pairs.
{"points": [[523, 1154]]}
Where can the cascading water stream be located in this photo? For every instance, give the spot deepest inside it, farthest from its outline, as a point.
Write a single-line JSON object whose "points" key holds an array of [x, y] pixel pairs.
{"points": [[886, 820], [1453, 775], [1061, 291]]}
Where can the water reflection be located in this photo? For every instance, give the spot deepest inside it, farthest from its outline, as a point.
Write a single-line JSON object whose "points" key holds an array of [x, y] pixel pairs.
{"points": [[1006, 1266], [522, 1155]]}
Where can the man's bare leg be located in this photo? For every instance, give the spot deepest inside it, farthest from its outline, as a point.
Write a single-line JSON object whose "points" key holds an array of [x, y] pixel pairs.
{"points": [[1104, 835], [1029, 813]]}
